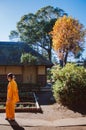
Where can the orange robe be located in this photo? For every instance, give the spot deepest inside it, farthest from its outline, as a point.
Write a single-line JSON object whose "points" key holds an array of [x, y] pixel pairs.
{"points": [[12, 99]]}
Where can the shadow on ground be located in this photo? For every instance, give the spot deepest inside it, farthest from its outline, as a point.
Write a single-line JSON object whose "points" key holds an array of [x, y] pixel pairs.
{"points": [[15, 125], [79, 108], [45, 97]]}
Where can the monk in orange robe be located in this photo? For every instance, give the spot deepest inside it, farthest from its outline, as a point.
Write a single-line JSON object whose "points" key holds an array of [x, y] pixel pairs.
{"points": [[12, 97]]}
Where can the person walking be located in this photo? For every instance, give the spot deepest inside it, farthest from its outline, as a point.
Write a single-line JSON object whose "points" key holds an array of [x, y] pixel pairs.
{"points": [[12, 97]]}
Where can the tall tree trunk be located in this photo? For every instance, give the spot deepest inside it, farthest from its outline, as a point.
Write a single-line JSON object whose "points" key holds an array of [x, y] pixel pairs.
{"points": [[49, 54], [65, 58], [50, 49]]}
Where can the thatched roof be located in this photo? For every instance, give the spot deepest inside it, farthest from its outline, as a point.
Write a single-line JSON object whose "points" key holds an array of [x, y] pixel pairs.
{"points": [[10, 54]]}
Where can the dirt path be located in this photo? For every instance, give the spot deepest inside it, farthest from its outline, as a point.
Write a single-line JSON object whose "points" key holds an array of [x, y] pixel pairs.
{"points": [[44, 128], [50, 112]]}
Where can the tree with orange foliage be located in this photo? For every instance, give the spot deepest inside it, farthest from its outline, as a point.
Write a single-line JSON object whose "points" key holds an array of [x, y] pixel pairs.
{"points": [[68, 35]]}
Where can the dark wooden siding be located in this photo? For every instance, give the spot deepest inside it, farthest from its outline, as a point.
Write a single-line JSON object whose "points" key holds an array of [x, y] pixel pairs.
{"points": [[42, 80]]}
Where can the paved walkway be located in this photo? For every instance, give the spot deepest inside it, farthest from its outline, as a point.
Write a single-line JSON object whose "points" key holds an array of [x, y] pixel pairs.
{"points": [[39, 122]]}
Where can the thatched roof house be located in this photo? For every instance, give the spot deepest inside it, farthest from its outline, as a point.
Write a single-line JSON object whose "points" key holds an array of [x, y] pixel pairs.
{"points": [[10, 61]]}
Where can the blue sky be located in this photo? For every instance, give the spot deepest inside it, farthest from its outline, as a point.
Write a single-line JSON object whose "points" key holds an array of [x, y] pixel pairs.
{"points": [[12, 10]]}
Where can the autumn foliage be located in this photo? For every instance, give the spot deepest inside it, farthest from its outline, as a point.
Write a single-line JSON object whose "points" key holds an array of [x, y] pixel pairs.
{"points": [[68, 35]]}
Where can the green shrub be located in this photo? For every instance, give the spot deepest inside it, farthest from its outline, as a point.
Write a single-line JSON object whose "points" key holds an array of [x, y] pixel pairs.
{"points": [[28, 58], [70, 84]]}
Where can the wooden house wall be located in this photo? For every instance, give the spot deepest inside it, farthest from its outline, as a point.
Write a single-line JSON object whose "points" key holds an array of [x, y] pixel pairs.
{"points": [[41, 70], [29, 74], [25, 74], [4, 70], [42, 75], [14, 69]]}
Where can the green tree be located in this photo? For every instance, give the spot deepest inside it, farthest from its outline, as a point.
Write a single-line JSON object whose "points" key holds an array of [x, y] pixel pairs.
{"points": [[34, 28], [14, 35]]}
